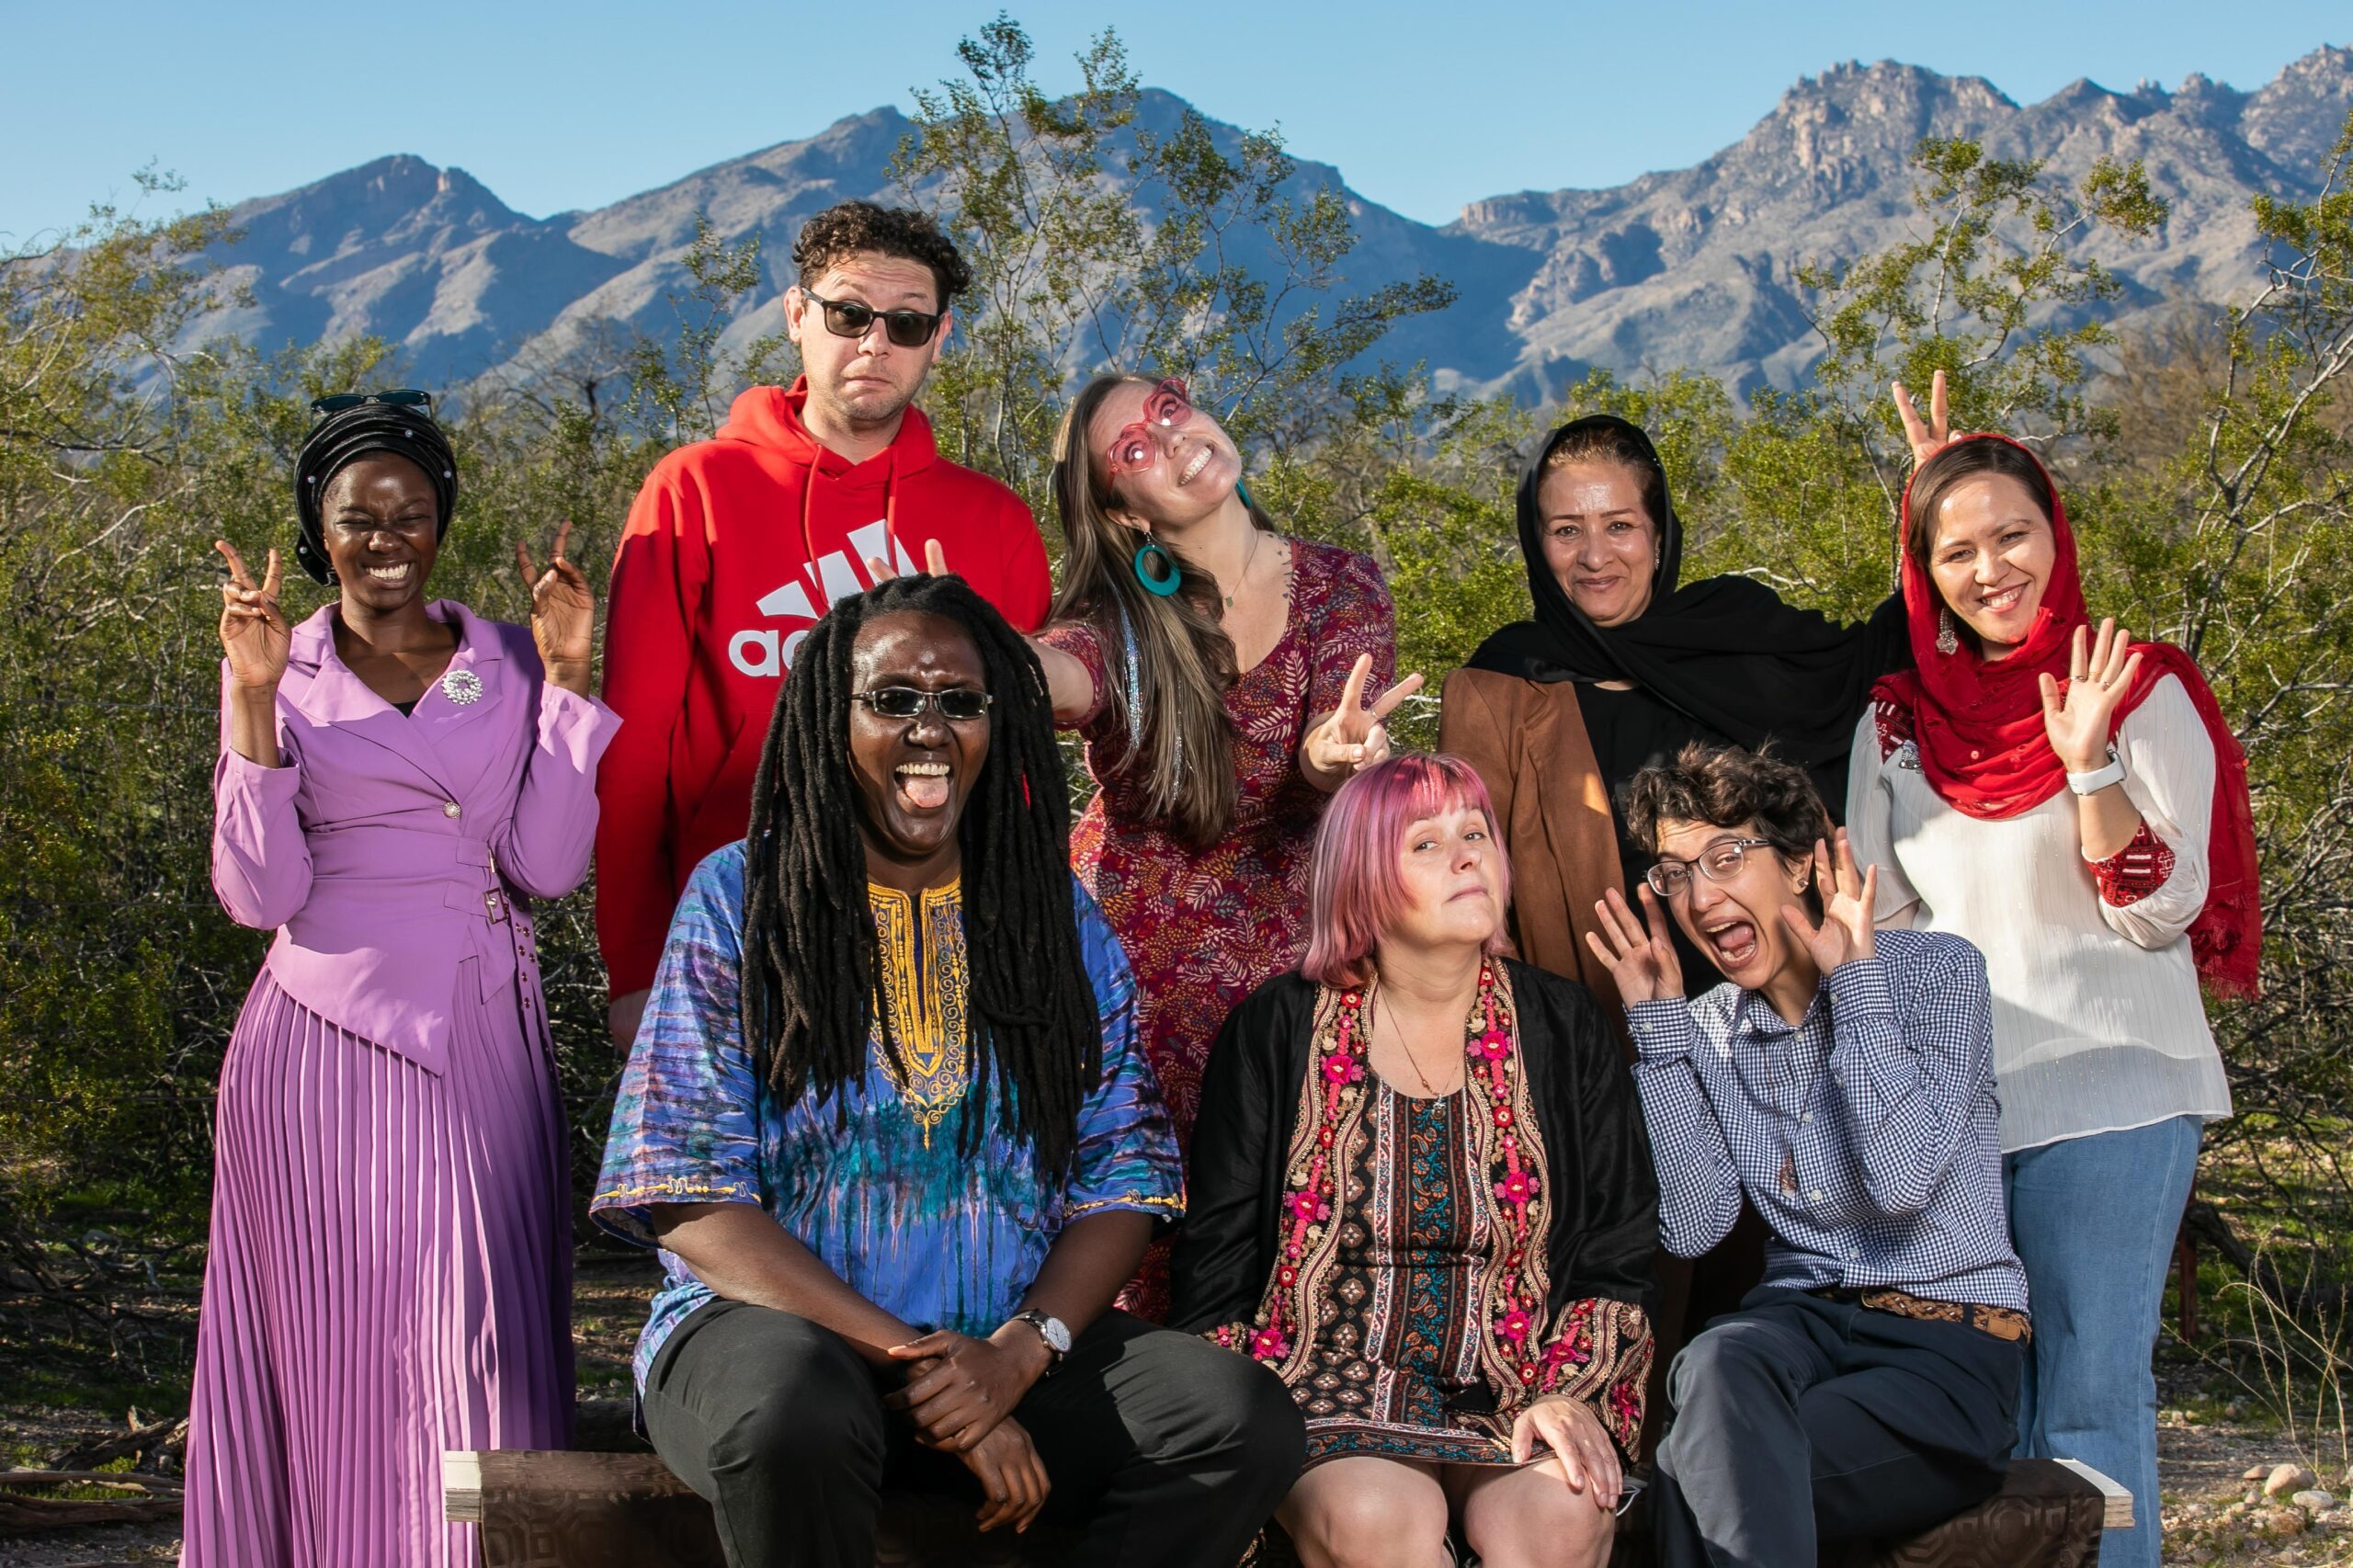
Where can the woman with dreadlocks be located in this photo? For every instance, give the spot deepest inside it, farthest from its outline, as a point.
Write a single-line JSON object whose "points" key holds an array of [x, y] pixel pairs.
{"points": [[390, 1267], [888, 1120]]}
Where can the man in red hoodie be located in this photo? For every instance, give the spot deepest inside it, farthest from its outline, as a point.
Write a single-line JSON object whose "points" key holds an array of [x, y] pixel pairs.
{"points": [[737, 545]]}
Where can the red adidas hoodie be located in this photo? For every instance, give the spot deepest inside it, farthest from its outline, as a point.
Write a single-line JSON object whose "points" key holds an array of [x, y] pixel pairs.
{"points": [[734, 547]]}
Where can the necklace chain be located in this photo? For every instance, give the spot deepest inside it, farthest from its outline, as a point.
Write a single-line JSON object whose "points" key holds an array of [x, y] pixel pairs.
{"points": [[1257, 533]]}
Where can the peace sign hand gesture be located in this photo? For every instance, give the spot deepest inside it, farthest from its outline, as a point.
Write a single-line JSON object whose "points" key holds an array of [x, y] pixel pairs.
{"points": [[1929, 438], [1353, 736], [1848, 897], [563, 614], [2080, 720], [254, 631], [1640, 956]]}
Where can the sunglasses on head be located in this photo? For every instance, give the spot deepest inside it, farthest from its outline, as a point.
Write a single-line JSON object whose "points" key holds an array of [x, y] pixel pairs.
{"points": [[393, 397], [848, 318], [1169, 406], [958, 704]]}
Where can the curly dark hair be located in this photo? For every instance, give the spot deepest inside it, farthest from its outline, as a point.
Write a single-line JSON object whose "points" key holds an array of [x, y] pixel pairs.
{"points": [[809, 943], [850, 227], [1730, 787]]}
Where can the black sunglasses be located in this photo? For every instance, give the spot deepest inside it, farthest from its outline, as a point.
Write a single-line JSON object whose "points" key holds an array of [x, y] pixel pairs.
{"points": [[958, 704], [394, 397], [847, 318]]}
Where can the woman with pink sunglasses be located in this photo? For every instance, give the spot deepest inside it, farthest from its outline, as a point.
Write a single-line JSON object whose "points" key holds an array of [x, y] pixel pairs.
{"points": [[1227, 680]]}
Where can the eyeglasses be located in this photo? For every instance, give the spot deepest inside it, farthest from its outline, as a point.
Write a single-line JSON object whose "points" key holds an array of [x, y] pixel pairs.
{"points": [[848, 318], [1169, 406], [393, 397], [1718, 862], [958, 704]]}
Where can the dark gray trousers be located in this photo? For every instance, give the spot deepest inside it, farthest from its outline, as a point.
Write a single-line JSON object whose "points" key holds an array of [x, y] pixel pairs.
{"points": [[1166, 1451], [1800, 1420]]}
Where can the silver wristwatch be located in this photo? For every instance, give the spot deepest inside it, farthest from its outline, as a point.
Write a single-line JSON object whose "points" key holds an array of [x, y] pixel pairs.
{"points": [[2098, 778], [1052, 1330]]}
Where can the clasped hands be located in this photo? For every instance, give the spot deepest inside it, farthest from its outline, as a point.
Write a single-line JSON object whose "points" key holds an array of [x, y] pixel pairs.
{"points": [[961, 1394]]}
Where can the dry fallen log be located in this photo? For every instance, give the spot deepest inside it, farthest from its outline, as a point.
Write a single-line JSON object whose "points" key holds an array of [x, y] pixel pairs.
{"points": [[30, 1516]]}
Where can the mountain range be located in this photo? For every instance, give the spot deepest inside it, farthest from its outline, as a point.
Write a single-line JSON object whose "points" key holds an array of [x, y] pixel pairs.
{"points": [[1688, 268]]}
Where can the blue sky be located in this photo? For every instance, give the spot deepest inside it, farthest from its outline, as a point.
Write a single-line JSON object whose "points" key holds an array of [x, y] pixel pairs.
{"points": [[1422, 107]]}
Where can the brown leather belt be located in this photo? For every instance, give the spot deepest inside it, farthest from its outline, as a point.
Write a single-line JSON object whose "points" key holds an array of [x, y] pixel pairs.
{"points": [[2001, 1323]]}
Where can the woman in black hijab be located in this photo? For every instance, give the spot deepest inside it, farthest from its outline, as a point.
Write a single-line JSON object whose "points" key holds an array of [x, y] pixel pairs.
{"points": [[1620, 667]]}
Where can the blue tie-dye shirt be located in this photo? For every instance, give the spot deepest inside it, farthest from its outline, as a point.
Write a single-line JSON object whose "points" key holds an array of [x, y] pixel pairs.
{"points": [[888, 1201]]}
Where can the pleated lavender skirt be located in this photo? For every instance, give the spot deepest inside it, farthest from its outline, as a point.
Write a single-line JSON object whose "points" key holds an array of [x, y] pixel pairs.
{"points": [[391, 1276]]}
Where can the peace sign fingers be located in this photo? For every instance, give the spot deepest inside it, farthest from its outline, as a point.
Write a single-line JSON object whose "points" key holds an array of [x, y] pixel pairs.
{"points": [[1929, 436], [254, 633]]}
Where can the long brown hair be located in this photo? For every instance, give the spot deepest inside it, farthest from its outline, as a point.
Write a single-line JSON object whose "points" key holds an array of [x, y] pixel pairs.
{"points": [[1183, 753]]}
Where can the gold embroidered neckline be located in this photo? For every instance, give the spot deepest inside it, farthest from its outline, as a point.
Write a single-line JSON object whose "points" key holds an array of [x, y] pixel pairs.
{"points": [[926, 1008]]}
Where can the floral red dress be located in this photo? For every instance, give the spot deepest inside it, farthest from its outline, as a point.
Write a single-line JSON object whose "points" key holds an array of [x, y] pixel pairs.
{"points": [[1204, 927]]}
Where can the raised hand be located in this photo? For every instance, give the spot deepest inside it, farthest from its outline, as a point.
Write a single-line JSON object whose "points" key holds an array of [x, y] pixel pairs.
{"points": [[1848, 897], [563, 614], [1588, 1459], [2080, 720], [935, 564], [1932, 437], [1639, 955], [1354, 737], [254, 632]]}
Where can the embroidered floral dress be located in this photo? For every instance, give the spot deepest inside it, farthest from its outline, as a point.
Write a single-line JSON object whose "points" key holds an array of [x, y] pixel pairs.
{"points": [[1204, 927], [1417, 1271]]}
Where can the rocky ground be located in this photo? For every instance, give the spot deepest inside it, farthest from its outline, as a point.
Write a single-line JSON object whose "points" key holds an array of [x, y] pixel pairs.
{"points": [[2217, 1449]]}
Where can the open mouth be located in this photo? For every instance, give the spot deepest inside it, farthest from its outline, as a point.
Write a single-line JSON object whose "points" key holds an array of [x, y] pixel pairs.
{"points": [[389, 574], [1734, 941], [1200, 460], [2003, 600], [923, 786]]}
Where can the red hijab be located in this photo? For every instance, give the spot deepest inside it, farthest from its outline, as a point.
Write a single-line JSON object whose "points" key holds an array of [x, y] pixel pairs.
{"points": [[1978, 727]]}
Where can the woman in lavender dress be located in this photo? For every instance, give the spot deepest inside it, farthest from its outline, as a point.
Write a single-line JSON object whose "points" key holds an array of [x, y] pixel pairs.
{"points": [[390, 1272]]}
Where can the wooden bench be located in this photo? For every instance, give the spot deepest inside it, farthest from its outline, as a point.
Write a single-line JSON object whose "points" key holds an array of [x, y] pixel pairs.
{"points": [[538, 1509]]}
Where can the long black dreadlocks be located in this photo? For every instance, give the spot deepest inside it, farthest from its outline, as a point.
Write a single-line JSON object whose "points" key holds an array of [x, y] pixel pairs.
{"points": [[809, 943]]}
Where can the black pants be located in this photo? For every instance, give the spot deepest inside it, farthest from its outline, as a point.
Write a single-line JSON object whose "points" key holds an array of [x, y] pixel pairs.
{"points": [[1800, 1420], [1163, 1447]]}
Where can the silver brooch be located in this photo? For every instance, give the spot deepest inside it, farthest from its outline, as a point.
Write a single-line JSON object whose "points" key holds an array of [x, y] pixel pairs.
{"points": [[1907, 755], [461, 686]]}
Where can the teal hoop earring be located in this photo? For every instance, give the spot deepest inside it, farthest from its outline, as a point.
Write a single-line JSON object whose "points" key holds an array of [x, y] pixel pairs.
{"points": [[1242, 490], [1172, 576]]}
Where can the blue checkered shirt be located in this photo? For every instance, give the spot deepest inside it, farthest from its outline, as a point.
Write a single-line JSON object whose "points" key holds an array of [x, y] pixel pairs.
{"points": [[1868, 1135]]}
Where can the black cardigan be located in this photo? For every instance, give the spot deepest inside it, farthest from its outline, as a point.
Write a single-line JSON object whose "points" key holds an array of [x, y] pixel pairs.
{"points": [[1604, 1203]]}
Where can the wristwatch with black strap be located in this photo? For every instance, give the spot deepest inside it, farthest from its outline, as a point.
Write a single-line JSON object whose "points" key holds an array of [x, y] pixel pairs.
{"points": [[1052, 1330]]}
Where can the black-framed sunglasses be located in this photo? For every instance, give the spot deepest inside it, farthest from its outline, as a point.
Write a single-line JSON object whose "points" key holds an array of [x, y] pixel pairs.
{"points": [[1718, 862], [394, 397], [848, 318], [958, 704]]}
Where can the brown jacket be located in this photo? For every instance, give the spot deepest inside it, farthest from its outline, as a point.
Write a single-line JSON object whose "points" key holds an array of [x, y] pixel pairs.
{"points": [[1528, 741]]}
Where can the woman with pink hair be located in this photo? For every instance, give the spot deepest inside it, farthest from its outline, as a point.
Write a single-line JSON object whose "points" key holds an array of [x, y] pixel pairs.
{"points": [[1419, 1190]]}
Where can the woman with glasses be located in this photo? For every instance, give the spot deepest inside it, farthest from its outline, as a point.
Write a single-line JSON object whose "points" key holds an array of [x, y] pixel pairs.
{"points": [[1420, 1192], [391, 1266], [2076, 805], [1226, 679], [1841, 1083]]}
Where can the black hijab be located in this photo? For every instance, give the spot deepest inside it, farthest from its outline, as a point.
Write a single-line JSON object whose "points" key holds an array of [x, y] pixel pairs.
{"points": [[1724, 651], [350, 434]]}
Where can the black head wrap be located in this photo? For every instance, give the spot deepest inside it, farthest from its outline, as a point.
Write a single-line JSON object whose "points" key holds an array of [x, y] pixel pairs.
{"points": [[353, 433], [1724, 651]]}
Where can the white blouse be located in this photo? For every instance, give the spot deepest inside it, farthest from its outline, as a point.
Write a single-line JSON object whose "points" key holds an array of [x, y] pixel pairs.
{"points": [[2097, 1021]]}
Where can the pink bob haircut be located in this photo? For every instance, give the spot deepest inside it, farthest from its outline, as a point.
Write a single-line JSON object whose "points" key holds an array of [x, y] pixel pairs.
{"points": [[1354, 890]]}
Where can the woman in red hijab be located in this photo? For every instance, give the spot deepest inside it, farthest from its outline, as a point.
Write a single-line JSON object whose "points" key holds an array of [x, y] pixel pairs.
{"points": [[2073, 803]]}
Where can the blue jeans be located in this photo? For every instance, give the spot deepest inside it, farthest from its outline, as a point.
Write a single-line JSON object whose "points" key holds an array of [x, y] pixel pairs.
{"points": [[2093, 1220]]}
